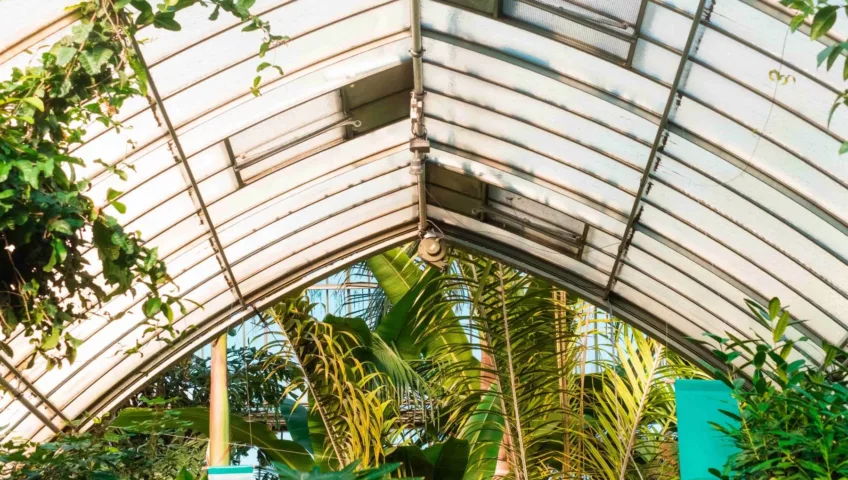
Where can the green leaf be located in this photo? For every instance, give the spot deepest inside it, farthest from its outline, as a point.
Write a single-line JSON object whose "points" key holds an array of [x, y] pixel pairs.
{"points": [[92, 61], [166, 21], [780, 327], [774, 308], [61, 226], [29, 171], [151, 307], [297, 422], [413, 462], [823, 21], [797, 21], [844, 148], [184, 475], [112, 194], [215, 13], [63, 55], [120, 207], [483, 431], [53, 340], [81, 31], [5, 168], [35, 102], [396, 273]]}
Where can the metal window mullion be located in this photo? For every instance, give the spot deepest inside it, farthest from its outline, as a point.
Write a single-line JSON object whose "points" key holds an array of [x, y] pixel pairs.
{"points": [[216, 241], [661, 130], [586, 22], [637, 33]]}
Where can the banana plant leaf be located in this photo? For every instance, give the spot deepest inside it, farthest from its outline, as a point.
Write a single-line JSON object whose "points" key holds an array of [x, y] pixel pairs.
{"points": [[440, 461], [449, 459], [347, 473], [297, 423], [257, 434], [407, 287], [307, 429], [395, 272], [484, 432]]}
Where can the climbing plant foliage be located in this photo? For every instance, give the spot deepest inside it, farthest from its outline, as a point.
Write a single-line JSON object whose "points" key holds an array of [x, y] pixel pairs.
{"points": [[61, 254], [821, 17]]}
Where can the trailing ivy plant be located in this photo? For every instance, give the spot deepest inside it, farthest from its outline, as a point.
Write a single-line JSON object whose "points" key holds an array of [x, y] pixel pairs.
{"points": [[47, 223], [792, 421], [824, 17]]}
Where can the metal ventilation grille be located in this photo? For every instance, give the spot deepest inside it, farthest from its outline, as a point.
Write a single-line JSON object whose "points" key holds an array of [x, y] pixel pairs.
{"points": [[583, 26], [607, 11]]}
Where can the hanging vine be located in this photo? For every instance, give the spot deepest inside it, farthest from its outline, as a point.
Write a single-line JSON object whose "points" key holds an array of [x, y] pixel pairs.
{"points": [[47, 223], [822, 17]]}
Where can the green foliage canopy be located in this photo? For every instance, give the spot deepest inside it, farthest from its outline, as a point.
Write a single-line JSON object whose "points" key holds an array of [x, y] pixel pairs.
{"points": [[47, 223]]}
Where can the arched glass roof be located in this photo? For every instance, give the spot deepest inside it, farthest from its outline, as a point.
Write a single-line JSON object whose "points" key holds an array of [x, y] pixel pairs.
{"points": [[664, 159]]}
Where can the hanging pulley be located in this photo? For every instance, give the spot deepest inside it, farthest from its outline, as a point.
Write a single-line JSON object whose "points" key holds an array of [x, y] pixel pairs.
{"points": [[433, 249]]}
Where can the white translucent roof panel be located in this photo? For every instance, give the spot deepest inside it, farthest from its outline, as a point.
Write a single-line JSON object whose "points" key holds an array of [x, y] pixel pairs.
{"points": [[745, 198]]}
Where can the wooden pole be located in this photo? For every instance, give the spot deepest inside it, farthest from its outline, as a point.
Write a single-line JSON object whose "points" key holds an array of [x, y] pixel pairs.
{"points": [[219, 407]]}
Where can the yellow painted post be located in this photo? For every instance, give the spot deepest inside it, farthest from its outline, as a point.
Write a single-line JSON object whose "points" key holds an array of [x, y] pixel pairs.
{"points": [[219, 407]]}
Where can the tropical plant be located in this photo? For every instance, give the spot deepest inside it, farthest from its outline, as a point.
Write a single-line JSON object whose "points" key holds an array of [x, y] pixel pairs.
{"points": [[102, 454], [47, 223], [792, 420], [633, 414]]}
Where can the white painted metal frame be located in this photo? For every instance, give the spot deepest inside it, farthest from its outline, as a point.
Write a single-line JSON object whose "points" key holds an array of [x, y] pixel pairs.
{"points": [[701, 181]]}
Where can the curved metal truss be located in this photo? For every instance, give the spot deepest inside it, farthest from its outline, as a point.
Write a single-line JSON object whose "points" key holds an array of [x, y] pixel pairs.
{"points": [[642, 154]]}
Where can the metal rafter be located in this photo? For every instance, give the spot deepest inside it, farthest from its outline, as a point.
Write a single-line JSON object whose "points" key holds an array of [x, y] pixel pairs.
{"points": [[627, 237], [184, 160], [419, 160], [34, 390], [19, 396]]}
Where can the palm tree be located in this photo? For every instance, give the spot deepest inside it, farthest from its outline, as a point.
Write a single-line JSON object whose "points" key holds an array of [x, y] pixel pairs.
{"points": [[483, 354]]}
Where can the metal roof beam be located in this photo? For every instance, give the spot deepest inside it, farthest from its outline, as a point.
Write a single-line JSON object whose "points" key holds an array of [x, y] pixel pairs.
{"points": [[19, 396], [646, 176], [183, 159], [34, 390]]}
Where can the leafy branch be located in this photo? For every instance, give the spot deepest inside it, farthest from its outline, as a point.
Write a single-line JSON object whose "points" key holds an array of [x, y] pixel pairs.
{"points": [[47, 222]]}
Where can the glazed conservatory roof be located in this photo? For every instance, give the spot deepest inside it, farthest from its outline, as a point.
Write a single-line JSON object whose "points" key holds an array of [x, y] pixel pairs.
{"points": [[542, 116]]}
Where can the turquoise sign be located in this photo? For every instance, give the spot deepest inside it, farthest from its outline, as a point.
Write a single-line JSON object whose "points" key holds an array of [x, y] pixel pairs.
{"points": [[233, 472], [702, 446]]}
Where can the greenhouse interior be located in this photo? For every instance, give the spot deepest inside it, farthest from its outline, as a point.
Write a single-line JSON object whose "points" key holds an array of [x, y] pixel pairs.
{"points": [[431, 239]]}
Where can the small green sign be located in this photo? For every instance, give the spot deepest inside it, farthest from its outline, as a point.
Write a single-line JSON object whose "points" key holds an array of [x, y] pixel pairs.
{"points": [[233, 472]]}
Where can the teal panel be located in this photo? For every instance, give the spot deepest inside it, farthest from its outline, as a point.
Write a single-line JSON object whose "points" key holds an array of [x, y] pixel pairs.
{"points": [[702, 446]]}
